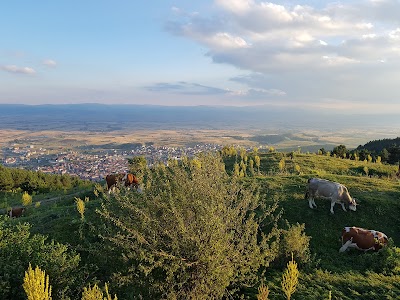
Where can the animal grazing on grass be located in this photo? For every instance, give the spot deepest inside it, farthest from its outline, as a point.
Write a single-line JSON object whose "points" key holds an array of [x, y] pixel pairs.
{"points": [[130, 180], [336, 192], [113, 180], [127, 180], [362, 239], [16, 212]]}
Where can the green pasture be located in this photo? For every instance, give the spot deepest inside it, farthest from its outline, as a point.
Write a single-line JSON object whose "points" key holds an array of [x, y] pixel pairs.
{"points": [[352, 275]]}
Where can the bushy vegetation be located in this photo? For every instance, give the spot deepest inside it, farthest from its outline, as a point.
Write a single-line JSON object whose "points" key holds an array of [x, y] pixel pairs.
{"points": [[200, 229], [194, 232], [19, 248], [36, 182]]}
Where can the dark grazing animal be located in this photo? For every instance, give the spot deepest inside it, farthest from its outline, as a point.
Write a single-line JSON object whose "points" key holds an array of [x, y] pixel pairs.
{"points": [[113, 180], [16, 212]]}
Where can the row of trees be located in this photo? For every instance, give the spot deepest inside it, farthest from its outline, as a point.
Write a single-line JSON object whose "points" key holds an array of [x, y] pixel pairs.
{"points": [[390, 155], [36, 182]]}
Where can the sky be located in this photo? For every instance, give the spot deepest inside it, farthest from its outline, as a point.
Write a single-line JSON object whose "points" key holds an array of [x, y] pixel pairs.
{"points": [[317, 55]]}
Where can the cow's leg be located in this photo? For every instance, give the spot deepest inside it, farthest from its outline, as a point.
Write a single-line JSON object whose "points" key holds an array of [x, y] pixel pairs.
{"points": [[344, 208], [313, 203], [346, 245], [310, 203], [332, 205]]}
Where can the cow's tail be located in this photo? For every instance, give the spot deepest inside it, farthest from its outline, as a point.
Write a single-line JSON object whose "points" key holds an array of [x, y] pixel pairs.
{"points": [[307, 195]]}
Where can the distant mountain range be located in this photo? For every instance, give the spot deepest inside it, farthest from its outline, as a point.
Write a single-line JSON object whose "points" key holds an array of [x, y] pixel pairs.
{"points": [[95, 117]]}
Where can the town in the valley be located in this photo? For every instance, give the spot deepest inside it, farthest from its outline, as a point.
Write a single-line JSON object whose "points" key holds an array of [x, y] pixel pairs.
{"points": [[92, 165]]}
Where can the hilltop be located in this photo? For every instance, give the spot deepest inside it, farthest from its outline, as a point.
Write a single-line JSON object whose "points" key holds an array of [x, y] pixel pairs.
{"points": [[366, 276]]}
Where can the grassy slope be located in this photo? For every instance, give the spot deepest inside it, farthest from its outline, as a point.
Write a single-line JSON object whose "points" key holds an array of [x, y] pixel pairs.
{"points": [[379, 209]]}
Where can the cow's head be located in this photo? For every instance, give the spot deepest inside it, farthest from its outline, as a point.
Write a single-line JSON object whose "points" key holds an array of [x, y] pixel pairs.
{"points": [[353, 204]]}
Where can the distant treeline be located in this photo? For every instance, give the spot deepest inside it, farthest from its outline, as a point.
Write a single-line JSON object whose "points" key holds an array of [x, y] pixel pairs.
{"points": [[387, 149], [35, 182]]}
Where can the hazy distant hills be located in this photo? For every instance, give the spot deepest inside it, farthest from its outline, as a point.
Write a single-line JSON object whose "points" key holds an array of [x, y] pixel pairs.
{"points": [[98, 117]]}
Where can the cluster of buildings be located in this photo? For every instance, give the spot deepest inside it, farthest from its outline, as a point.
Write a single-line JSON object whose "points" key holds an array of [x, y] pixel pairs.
{"points": [[94, 163]]}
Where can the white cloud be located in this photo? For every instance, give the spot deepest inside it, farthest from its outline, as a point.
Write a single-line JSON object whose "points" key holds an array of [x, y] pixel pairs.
{"points": [[18, 70], [225, 40], [50, 63], [339, 47]]}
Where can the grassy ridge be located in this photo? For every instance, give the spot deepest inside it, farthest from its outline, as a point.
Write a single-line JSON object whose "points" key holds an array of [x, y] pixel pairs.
{"points": [[351, 275]]}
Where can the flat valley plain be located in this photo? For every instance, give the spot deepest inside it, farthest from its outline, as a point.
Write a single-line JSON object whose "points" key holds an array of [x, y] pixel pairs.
{"points": [[105, 126], [307, 140]]}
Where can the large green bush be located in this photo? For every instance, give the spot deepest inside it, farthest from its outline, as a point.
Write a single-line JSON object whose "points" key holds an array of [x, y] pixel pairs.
{"points": [[193, 233]]}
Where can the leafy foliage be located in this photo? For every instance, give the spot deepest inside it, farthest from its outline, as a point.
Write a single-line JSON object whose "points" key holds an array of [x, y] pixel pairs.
{"points": [[18, 248], [36, 284], [193, 233], [26, 199], [36, 182], [295, 242], [95, 293], [290, 279]]}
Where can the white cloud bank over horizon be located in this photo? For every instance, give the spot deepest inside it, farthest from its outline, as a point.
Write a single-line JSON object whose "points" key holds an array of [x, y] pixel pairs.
{"points": [[347, 52]]}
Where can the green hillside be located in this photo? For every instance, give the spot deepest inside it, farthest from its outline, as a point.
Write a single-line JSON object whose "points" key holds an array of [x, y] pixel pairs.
{"points": [[351, 275]]}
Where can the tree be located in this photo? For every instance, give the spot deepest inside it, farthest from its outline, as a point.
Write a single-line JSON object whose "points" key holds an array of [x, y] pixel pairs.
{"points": [[363, 154], [257, 161], [80, 206], [290, 279], [282, 165], [193, 233], [236, 170], [394, 155], [95, 293], [255, 151], [340, 151], [251, 167], [138, 166], [263, 292], [26, 199], [6, 180], [36, 284], [384, 155]]}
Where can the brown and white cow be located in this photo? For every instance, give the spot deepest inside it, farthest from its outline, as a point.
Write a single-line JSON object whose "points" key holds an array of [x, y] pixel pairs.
{"points": [[130, 180], [16, 212], [127, 180], [113, 181], [362, 239], [336, 192]]}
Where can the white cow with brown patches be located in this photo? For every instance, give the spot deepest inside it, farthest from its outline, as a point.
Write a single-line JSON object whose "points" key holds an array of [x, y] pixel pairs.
{"points": [[362, 239]]}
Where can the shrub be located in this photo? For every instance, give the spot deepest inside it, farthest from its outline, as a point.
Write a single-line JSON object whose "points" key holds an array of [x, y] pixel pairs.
{"points": [[294, 242], [193, 233], [95, 293], [36, 284], [80, 206], [290, 279], [26, 199], [263, 292], [18, 248]]}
